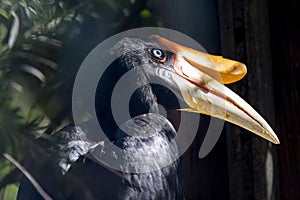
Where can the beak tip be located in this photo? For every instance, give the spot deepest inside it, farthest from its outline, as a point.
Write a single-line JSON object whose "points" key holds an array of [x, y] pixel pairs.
{"points": [[273, 138], [276, 141]]}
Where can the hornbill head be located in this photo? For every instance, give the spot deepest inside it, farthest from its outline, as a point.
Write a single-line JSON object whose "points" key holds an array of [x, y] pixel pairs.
{"points": [[199, 78]]}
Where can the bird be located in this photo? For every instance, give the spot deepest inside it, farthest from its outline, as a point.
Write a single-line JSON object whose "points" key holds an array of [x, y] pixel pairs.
{"points": [[149, 154]]}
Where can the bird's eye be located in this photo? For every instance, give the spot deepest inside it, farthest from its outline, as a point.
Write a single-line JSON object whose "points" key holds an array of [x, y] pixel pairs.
{"points": [[158, 54]]}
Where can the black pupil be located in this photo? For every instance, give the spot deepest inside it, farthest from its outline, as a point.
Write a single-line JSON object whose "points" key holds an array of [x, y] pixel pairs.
{"points": [[158, 53]]}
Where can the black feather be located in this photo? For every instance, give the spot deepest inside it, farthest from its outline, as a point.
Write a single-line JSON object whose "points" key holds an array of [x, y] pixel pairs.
{"points": [[147, 140]]}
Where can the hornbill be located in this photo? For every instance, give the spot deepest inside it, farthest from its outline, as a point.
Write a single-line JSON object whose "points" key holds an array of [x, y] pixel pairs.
{"points": [[147, 139]]}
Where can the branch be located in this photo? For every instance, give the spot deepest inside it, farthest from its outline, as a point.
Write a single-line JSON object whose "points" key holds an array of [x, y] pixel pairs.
{"points": [[37, 186]]}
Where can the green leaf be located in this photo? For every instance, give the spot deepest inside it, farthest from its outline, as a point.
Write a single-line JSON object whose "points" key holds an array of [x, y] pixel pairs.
{"points": [[4, 169], [146, 13], [4, 13], [9, 192], [3, 32], [14, 31]]}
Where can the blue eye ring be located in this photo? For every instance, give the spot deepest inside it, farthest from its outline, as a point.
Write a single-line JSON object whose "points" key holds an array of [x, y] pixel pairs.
{"points": [[158, 54]]}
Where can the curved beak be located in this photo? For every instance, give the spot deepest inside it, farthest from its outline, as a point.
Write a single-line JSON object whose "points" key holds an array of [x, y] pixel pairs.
{"points": [[200, 78]]}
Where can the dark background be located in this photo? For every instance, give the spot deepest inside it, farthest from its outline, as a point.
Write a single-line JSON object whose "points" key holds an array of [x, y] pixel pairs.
{"points": [[263, 34]]}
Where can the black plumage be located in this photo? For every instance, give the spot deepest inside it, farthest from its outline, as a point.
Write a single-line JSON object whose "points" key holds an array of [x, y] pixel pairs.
{"points": [[147, 142], [146, 164]]}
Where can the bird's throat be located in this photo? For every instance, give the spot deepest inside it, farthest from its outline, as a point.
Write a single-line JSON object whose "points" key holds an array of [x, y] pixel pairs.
{"points": [[143, 101]]}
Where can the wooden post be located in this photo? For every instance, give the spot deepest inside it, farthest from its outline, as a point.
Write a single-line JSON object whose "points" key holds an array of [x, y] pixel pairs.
{"points": [[285, 32], [244, 28]]}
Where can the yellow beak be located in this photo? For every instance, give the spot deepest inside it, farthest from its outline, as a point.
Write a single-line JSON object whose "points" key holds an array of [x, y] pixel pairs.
{"points": [[200, 78]]}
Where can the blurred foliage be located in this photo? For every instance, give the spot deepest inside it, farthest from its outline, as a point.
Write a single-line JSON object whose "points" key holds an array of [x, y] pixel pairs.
{"points": [[42, 44]]}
